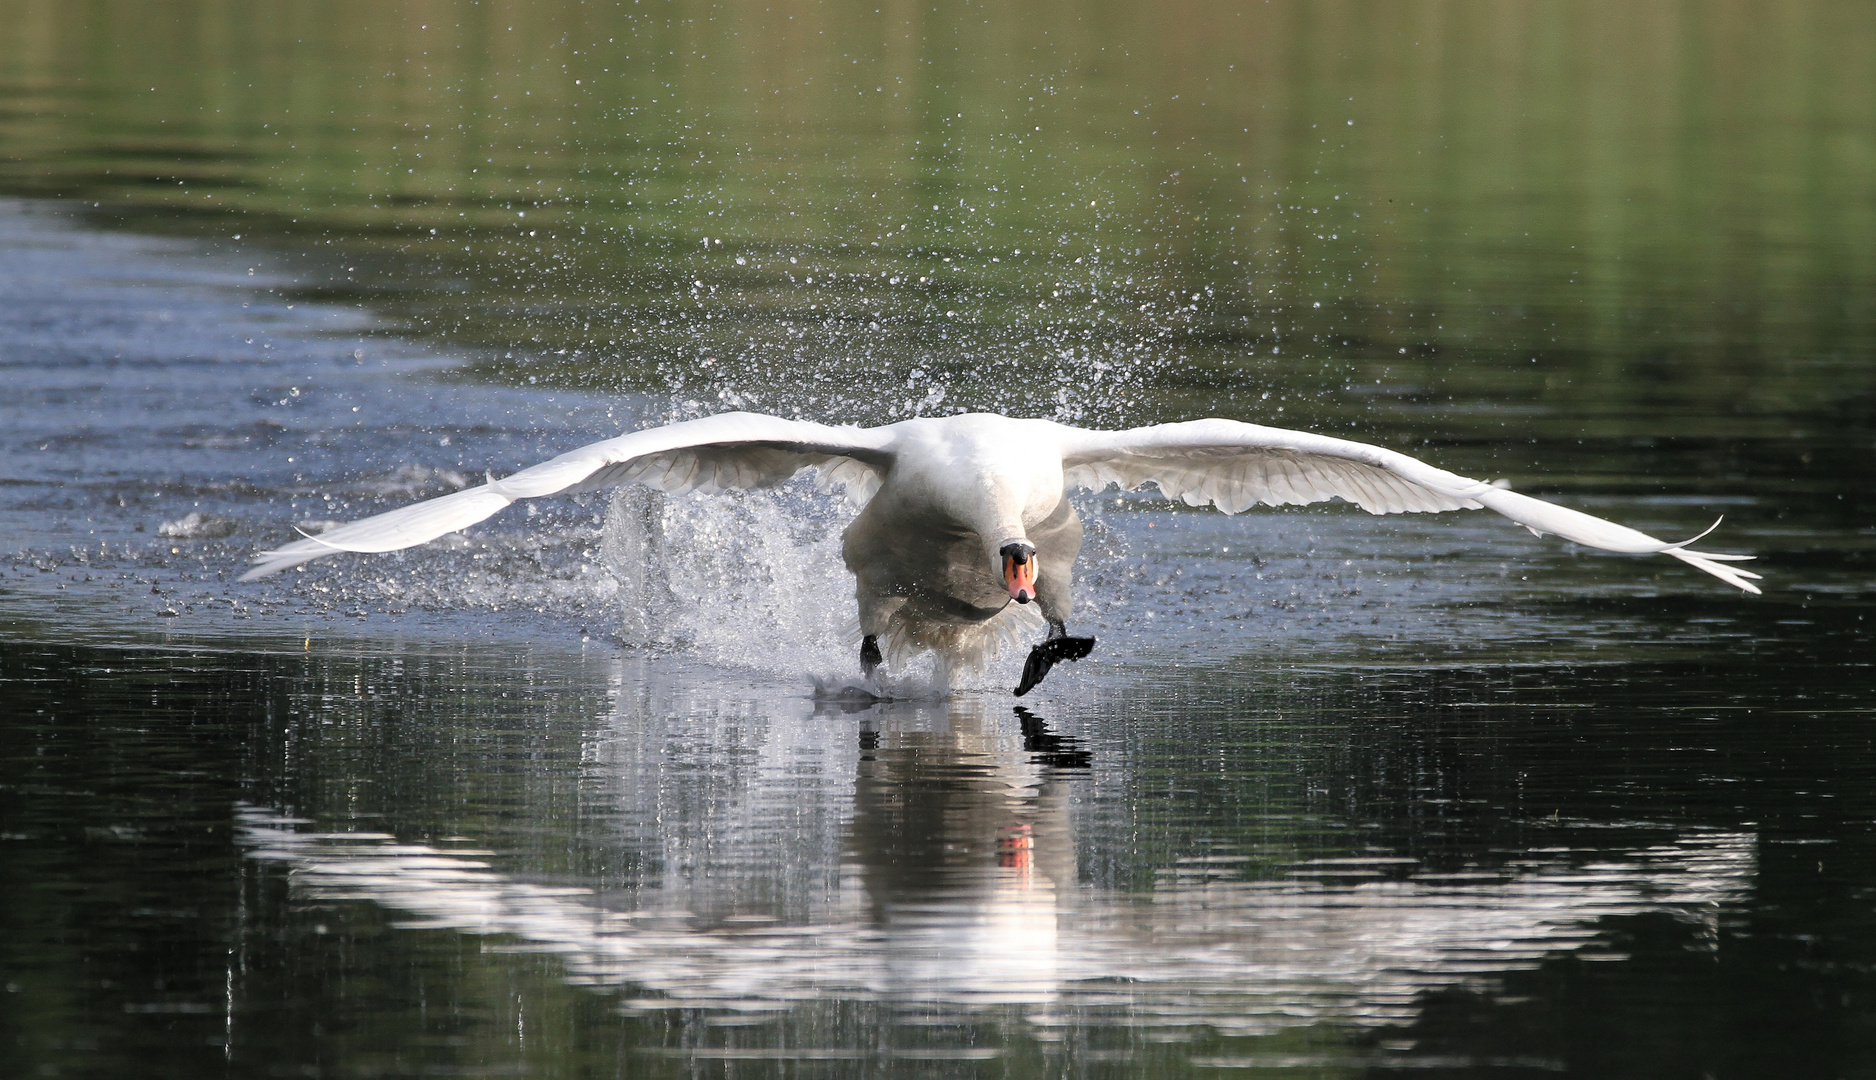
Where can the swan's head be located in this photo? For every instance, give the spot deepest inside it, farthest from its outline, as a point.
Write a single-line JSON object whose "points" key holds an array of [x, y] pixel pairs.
{"points": [[1019, 570]]}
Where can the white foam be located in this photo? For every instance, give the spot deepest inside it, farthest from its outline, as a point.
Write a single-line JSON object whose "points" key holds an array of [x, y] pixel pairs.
{"points": [[745, 578], [932, 685]]}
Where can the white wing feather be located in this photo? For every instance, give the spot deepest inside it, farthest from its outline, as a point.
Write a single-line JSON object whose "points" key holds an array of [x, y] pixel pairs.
{"points": [[1234, 466], [733, 450]]}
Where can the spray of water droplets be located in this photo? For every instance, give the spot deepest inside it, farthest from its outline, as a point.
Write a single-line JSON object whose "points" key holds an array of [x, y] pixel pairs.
{"points": [[755, 579]]}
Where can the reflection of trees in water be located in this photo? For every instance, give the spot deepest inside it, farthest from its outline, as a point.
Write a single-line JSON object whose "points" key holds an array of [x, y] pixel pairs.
{"points": [[459, 750]]}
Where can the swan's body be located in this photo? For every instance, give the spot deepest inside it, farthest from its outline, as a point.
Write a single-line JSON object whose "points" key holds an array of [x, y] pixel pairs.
{"points": [[963, 515]]}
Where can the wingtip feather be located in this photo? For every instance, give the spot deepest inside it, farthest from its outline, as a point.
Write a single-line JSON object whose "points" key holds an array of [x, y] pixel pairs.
{"points": [[1732, 575], [1702, 535]]}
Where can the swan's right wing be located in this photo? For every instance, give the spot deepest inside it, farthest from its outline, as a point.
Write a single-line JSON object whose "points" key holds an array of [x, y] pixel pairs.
{"points": [[717, 453], [1235, 466]]}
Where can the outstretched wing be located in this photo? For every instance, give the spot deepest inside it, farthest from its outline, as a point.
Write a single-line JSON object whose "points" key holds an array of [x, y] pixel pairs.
{"points": [[733, 450], [1235, 466]]}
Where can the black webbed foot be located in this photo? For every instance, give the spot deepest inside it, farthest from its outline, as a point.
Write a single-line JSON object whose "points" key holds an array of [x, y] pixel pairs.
{"points": [[870, 657], [1046, 655]]}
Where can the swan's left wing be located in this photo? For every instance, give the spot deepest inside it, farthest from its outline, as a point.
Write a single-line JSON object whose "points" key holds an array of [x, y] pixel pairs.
{"points": [[1235, 466], [717, 453]]}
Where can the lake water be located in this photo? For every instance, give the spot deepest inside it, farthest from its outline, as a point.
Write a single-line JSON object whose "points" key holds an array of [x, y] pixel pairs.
{"points": [[1334, 795]]}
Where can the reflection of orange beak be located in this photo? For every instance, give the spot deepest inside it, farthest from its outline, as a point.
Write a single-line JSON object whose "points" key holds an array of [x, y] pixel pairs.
{"points": [[1019, 573], [1016, 847]]}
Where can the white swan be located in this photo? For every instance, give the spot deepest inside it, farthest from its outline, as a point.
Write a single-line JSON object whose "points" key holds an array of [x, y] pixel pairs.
{"points": [[962, 515]]}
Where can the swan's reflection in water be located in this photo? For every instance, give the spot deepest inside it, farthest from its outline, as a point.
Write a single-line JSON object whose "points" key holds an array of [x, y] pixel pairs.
{"points": [[965, 855], [955, 881]]}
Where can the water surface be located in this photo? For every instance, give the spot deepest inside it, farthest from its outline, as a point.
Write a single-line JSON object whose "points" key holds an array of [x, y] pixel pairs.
{"points": [[1335, 794]]}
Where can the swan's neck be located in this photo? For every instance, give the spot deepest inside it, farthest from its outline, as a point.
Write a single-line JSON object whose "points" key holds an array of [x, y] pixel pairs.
{"points": [[1002, 514], [994, 474]]}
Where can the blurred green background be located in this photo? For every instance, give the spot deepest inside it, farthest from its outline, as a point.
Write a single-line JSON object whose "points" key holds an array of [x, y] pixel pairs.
{"points": [[1584, 218]]}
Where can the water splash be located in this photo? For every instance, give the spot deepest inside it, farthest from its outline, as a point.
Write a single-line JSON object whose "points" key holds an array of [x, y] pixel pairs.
{"points": [[747, 578], [756, 579]]}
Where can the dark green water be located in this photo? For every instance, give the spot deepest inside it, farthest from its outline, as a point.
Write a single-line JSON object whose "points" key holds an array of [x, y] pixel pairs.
{"points": [[1335, 796], [1637, 870]]}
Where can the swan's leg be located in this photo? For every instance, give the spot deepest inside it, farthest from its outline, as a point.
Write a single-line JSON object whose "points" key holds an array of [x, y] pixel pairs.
{"points": [[876, 614], [1058, 541]]}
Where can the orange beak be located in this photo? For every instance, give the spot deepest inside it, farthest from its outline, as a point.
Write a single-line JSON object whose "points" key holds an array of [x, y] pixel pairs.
{"points": [[1019, 573]]}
